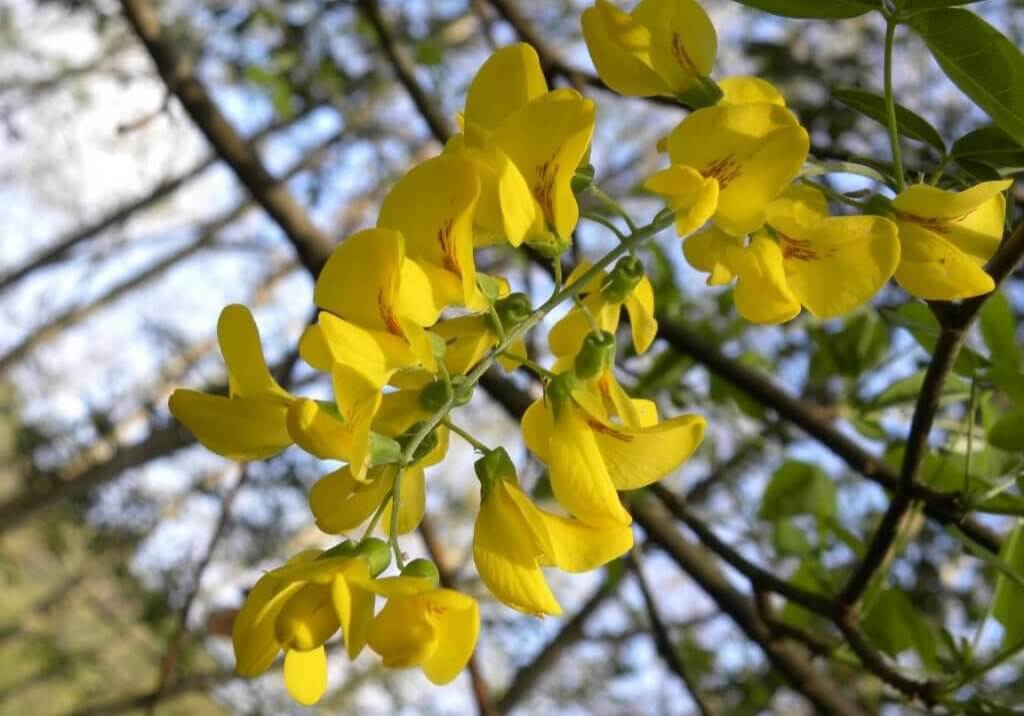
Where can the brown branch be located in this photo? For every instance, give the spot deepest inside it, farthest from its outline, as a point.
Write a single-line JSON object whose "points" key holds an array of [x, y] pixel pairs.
{"points": [[311, 245], [405, 71], [666, 649], [817, 687], [572, 631]]}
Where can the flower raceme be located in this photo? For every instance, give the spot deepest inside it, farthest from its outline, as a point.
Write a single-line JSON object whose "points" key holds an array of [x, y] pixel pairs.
{"points": [[663, 47]]}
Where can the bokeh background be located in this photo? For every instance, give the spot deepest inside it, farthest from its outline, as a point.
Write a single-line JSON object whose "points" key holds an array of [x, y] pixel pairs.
{"points": [[125, 548]]}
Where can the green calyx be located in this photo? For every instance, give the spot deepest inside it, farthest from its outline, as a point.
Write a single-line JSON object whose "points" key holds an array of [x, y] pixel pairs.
{"points": [[878, 205], [622, 279], [559, 390], [436, 396], [583, 178], [596, 355], [426, 445], [342, 549], [512, 310], [462, 390], [384, 450], [495, 465], [423, 568], [376, 553], [704, 92], [550, 246]]}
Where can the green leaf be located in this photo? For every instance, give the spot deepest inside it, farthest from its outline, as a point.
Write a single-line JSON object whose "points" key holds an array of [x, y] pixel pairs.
{"points": [[1008, 432], [790, 540], [924, 327], [798, 488], [429, 52], [895, 625], [813, 9], [999, 329], [988, 145], [912, 5], [1009, 592], [980, 61], [906, 390], [909, 123]]}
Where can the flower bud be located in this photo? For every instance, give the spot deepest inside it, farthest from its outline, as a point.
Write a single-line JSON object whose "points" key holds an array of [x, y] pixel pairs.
{"points": [[422, 568], [596, 355], [376, 553], [513, 310], [495, 465], [342, 549], [559, 389], [622, 279], [384, 450], [462, 390], [435, 396], [426, 445]]}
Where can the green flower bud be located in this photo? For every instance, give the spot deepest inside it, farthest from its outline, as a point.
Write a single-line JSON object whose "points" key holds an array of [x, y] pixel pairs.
{"points": [[596, 355], [424, 448], [513, 310], [435, 396], [377, 554], [495, 465], [384, 450], [422, 568], [549, 246], [622, 279], [342, 549]]}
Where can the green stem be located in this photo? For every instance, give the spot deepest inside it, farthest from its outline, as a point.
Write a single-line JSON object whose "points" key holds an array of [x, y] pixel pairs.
{"points": [[971, 409], [536, 367], [376, 516], [890, 103], [613, 206], [834, 195], [477, 445], [396, 501]]}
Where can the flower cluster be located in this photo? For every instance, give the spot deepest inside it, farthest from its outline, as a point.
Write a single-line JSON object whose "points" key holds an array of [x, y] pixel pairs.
{"points": [[735, 166], [406, 327]]}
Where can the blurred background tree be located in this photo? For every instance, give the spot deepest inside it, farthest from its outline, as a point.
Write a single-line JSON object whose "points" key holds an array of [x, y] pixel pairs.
{"points": [[125, 548]]}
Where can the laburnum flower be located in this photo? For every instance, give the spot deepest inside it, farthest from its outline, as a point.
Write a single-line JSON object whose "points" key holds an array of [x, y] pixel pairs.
{"points": [[727, 163], [341, 503], [432, 207], [250, 423], [589, 457], [604, 297], [513, 539], [525, 143], [662, 47], [298, 607], [947, 237], [829, 265], [425, 626]]}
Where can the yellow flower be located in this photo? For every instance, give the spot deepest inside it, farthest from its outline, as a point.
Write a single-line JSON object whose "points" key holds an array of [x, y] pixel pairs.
{"points": [[829, 265], [589, 457], [513, 539], [728, 163], [663, 47], [525, 144], [626, 285], [748, 90], [341, 503], [251, 423], [432, 206], [947, 237], [297, 607], [421, 625]]}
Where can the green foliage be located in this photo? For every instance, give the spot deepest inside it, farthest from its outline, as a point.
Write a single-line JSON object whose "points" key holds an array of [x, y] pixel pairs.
{"points": [[813, 9], [989, 147], [798, 488], [895, 625], [1009, 591], [908, 123], [980, 60]]}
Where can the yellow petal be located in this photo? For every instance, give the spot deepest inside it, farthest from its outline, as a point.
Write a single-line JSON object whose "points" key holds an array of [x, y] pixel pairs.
{"points": [[356, 347], [432, 207], [709, 251], [240, 344], [237, 428], [841, 263], [252, 635], [307, 619], [638, 456], [928, 201], [506, 554], [747, 90], [458, 625], [341, 503], [546, 140], [620, 48], [353, 605], [305, 675], [683, 40], [579, 476], [358, 399], [762, 291], [537, 426], [402, 634], [319, 431], [413, 496], [313, 349], [640, 306], [691, 196], [579, 547], [360, 280], [509, 79], [935, 270]]}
